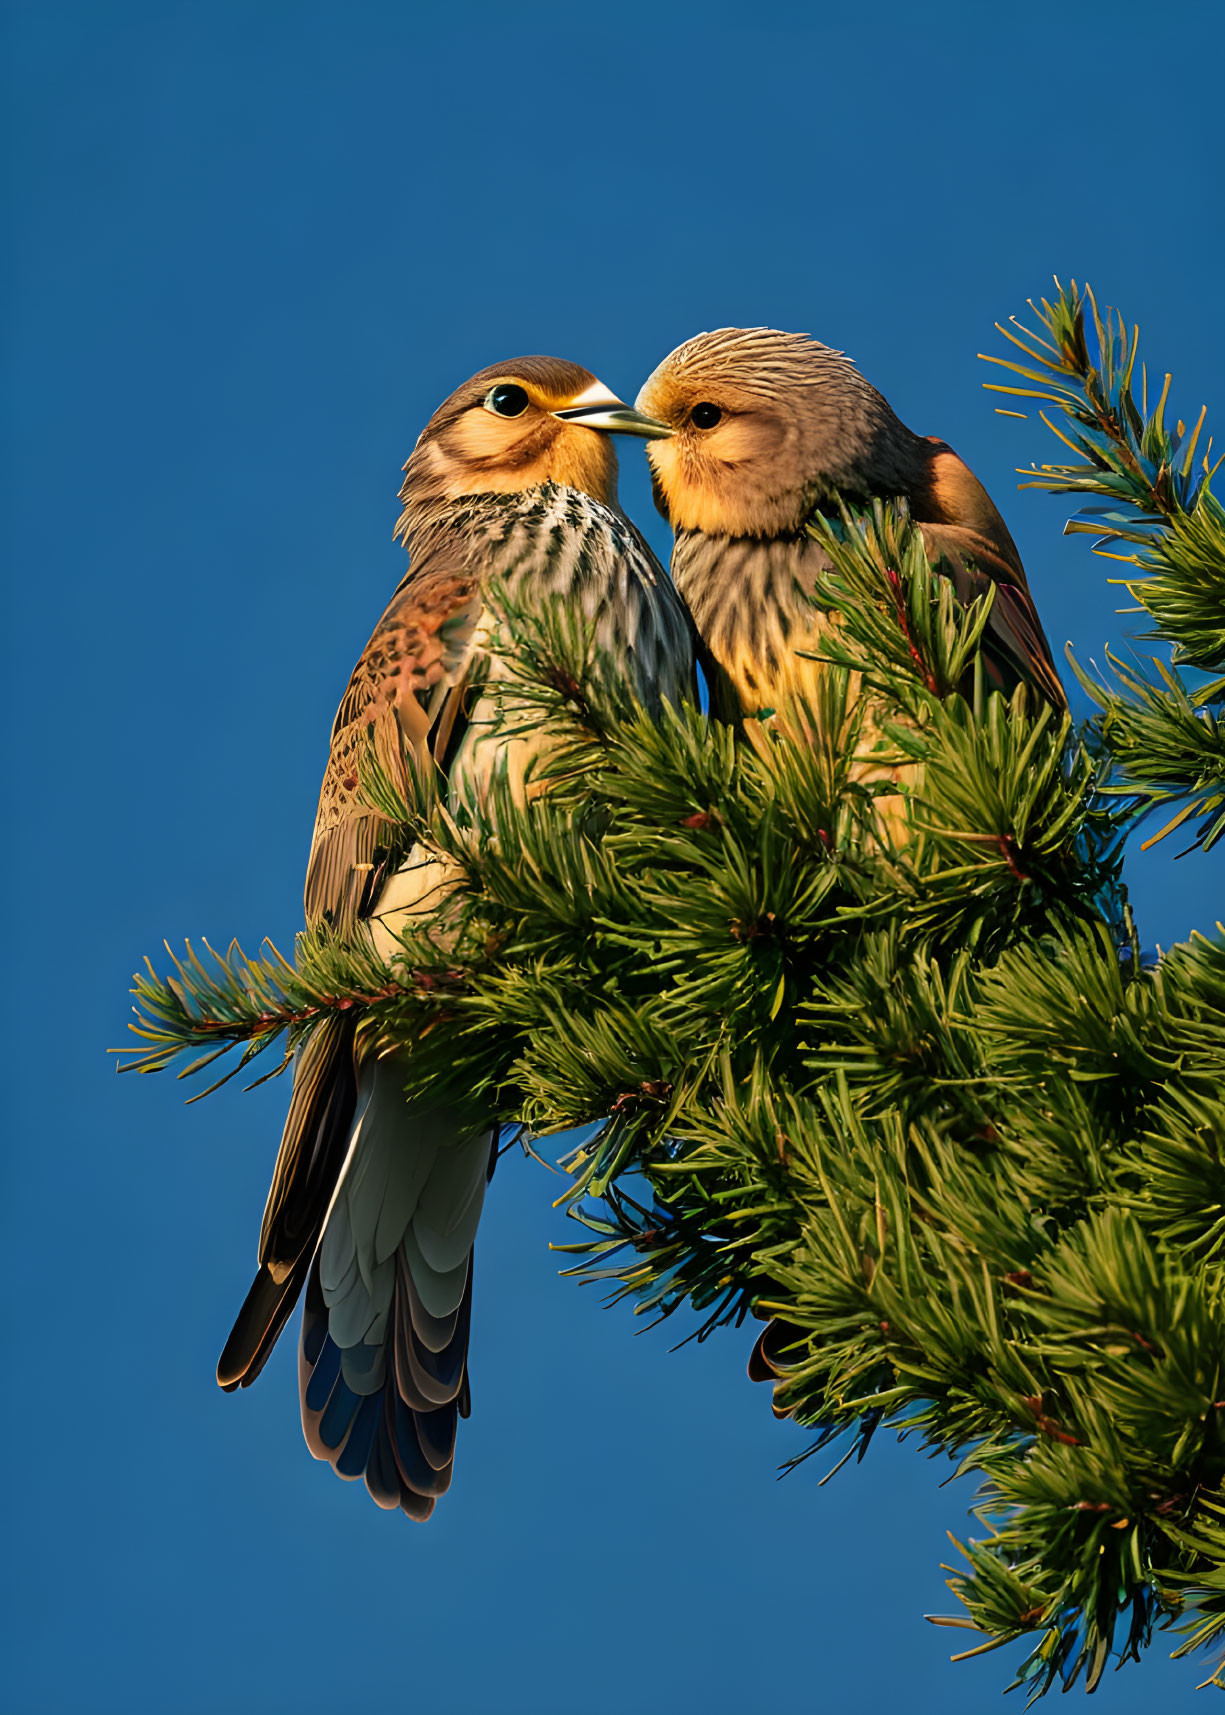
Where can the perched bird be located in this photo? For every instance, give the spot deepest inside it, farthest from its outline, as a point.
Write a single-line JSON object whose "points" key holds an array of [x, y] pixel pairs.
{"points": [[768, 427], [374, 1202]]}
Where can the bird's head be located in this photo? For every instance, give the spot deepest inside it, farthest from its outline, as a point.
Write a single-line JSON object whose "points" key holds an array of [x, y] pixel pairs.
{"points": [[517, 425], [765, 424]]}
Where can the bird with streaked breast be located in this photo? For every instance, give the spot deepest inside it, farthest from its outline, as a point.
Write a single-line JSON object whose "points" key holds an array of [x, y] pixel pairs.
{"points": [[375, 1202], [768, 426]]}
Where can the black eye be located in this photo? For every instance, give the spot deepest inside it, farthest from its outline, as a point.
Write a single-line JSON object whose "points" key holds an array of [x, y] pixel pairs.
{"points": [[705, 416], [506, 401]]}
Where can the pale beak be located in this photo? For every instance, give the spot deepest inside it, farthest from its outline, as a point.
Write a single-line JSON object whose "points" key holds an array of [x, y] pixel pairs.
{"points": [[614, 418]]}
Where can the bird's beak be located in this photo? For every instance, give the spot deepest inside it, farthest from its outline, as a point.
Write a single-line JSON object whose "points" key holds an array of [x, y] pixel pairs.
{"points": [[614, 417]]}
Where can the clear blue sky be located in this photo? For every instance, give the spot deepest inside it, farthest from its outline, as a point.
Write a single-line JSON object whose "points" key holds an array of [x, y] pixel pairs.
{"points": [[255, 245]]}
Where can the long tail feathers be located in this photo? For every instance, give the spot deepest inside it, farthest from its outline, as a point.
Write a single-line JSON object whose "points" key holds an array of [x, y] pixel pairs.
{"points": [[400, 1437], [374, 1208], [382, 1368]]}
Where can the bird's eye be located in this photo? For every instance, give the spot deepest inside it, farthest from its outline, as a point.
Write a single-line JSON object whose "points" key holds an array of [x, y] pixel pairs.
{"points": [[507, 400], [705, 416]]}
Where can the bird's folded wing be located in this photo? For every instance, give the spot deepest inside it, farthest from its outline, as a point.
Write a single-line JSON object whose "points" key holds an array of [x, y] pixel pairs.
{"points": [[960, 522], [401, 692]]}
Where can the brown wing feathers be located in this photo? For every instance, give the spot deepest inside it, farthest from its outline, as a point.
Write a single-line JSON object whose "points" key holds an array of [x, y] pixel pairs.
{"points": [[311, 1155], [399, 687], [401, 682], [961, 523]]}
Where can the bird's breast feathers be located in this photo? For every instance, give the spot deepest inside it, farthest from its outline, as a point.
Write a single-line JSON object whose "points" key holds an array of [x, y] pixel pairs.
{"points": [[556, 544], [437, 636], [751, 602]]}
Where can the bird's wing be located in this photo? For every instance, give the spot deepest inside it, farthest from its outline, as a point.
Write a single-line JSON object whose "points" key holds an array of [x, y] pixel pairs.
{"points": [[405, 688], [960, 522]]}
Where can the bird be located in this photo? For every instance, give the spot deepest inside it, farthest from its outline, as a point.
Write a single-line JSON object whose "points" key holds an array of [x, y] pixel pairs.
{"points": [[374, 1202], [769, 428]]}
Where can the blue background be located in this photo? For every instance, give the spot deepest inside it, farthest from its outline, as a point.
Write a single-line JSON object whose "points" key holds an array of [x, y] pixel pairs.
{"points": [[254, 246]]}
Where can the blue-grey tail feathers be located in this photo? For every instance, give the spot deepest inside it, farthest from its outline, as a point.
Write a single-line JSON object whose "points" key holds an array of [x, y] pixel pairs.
{"points": [[386, 1411], [399, 1437]]}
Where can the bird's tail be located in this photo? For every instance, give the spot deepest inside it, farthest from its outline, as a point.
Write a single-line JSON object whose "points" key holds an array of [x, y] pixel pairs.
{"points": [[383, 1360]]}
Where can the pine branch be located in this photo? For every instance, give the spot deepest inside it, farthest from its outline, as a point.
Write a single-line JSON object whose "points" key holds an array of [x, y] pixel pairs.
{"points": [[921, 1101], [1166, 747], [1158, 726]]}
